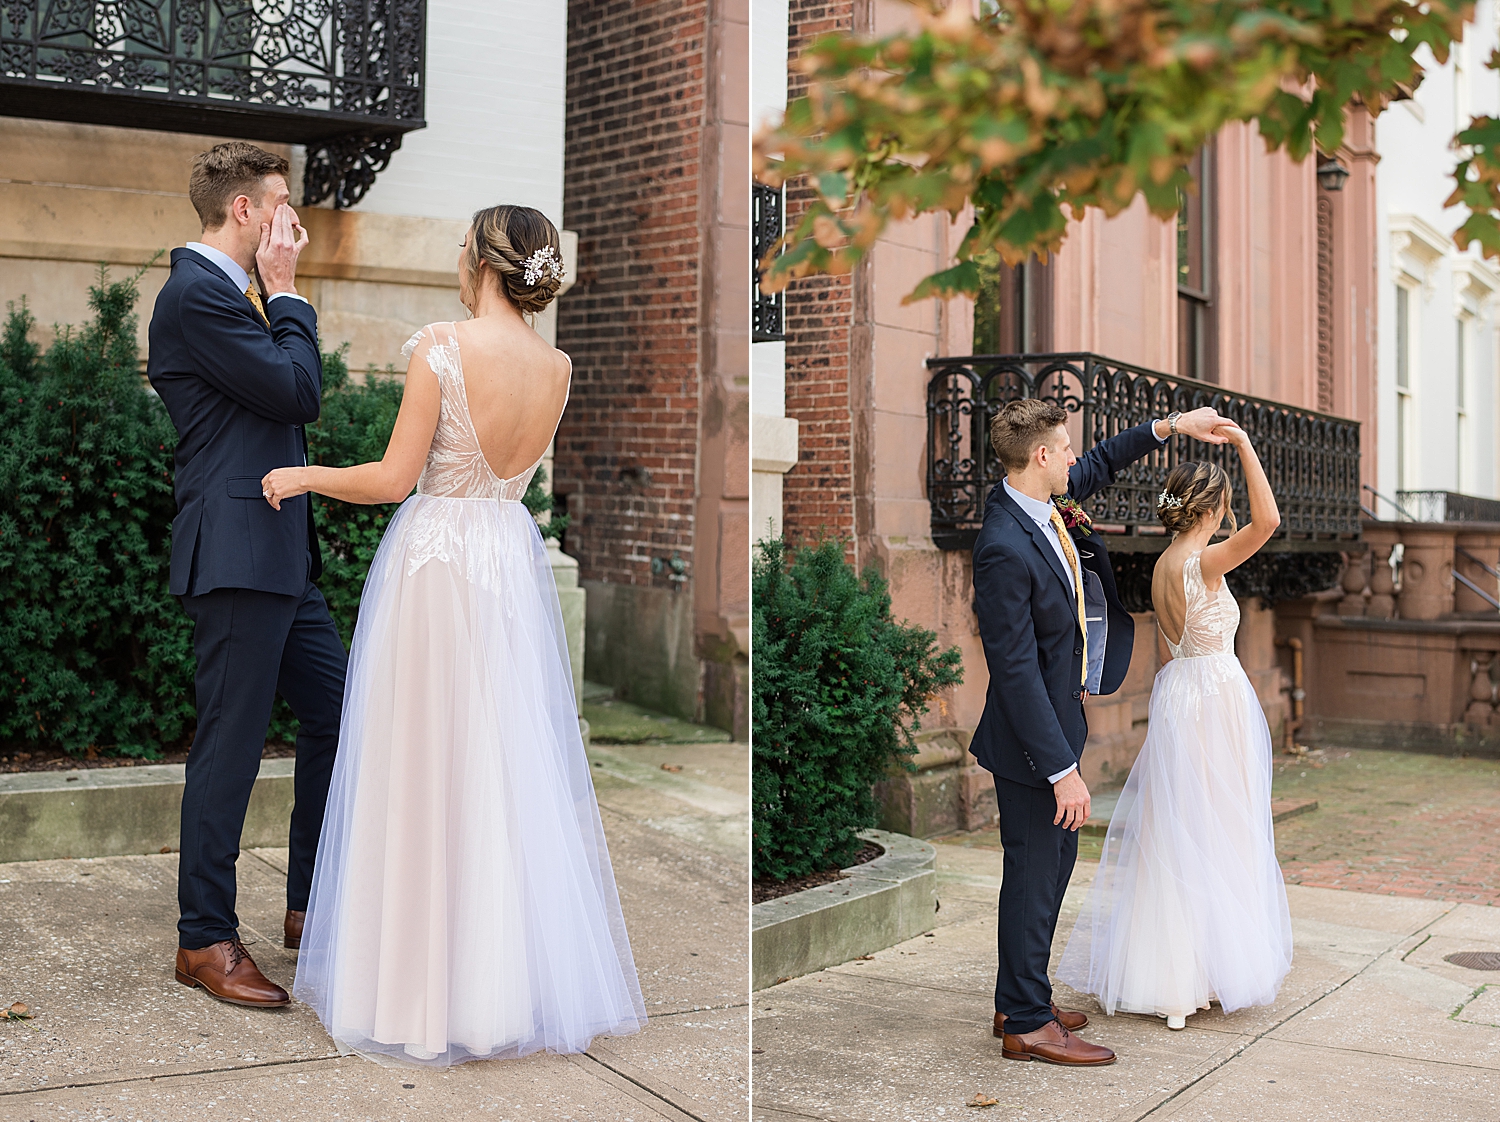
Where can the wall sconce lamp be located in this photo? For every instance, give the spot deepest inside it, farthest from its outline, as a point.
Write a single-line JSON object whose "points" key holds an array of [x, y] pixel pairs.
{"points": [[1331, 174]]}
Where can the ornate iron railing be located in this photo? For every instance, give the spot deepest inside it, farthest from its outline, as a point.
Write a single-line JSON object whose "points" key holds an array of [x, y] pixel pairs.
{"points": [[767, 223], [1447, 506], [1312, 458], [343, 77]]}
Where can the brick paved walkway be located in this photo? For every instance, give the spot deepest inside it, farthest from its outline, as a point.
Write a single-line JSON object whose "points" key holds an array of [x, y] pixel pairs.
{"points": [[1393, 823]]}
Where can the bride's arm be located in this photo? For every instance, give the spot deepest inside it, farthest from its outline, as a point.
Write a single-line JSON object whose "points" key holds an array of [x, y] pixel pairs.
{"points": [[1264, 517], [388, 480]]}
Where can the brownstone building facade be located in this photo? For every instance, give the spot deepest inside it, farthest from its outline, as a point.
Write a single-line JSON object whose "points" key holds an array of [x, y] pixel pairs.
{"points": [[652, 458], [822, 319]]}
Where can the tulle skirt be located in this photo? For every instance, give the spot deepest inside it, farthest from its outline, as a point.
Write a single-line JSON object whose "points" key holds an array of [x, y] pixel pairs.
{"points": [[1188, 903], [463, 905]]}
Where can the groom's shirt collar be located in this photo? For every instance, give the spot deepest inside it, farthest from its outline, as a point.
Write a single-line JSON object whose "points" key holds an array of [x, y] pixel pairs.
{"points": [[226, 264], [1041, 512]]}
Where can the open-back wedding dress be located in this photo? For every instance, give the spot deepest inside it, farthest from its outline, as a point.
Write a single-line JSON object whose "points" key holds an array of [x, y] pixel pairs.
{"points": [[463, 905], [1188, 903]]}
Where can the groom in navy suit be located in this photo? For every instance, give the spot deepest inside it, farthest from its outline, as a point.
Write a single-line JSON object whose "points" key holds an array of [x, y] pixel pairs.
{"points": [[240, 377], [1054, 632]]}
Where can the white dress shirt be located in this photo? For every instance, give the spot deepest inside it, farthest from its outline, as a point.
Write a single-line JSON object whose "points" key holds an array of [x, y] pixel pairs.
{"points": [[1041, 513], [231, 269]]}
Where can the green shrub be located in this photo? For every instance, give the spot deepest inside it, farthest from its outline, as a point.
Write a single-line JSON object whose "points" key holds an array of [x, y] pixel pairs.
{"points": [[98, 654], [838, 689]]}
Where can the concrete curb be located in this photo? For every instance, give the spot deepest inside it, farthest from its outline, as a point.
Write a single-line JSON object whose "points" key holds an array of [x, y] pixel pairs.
{"points": [[112, 812], [118, 811], [879, 904]]}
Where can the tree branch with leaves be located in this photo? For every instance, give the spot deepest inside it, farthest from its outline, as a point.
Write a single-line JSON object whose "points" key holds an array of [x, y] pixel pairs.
{"points": [[1040, 109]]}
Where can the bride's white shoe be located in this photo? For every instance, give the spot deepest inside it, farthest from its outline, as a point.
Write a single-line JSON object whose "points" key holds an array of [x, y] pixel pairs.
{"points": [[1176, 1023]]}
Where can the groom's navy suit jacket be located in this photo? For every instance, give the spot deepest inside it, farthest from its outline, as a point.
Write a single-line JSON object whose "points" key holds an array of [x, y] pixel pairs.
{"points": [[239, 393], [1033, 724]]}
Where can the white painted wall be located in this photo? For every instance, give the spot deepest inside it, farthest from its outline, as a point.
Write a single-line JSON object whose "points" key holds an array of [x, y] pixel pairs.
{"points": [[496, 73], [1444, 286], [773, 435]]}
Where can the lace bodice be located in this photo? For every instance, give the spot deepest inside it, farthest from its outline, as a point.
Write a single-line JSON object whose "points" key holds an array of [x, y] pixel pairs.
{"points": [[456, 468], [1211, 619]]}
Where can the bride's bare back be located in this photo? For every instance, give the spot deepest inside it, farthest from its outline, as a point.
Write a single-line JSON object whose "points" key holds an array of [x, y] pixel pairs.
{"points": [[1168, 594], [517, 386]]}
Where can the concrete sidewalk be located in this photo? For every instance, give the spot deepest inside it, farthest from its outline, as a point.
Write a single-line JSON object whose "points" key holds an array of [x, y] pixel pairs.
{"points": [[1371, 1023], [88, 945]]}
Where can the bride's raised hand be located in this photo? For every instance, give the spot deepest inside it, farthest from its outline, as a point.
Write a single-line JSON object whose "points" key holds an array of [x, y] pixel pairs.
{"points": [[1231, 433], [284, 483]]}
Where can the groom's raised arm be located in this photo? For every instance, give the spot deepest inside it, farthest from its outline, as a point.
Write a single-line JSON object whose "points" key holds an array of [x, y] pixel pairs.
{"points": [[1002, 594], [279, 377], [1096, 469]]}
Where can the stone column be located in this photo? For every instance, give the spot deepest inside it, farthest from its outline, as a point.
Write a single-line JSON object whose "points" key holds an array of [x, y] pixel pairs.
{"points": [[1426, 572], [1481, 552]]}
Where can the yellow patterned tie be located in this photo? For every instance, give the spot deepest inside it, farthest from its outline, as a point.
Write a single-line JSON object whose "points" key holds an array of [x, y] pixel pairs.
{"points": [[1072, 556], [254, 298]]}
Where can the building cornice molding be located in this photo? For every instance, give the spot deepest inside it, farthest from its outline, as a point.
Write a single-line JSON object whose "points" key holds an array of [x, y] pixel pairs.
{"points": [[1416, 248], [1475, 285]]}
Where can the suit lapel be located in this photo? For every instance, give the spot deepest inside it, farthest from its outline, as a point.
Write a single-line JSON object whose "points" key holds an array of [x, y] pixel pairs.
{"points": [[1040, 539]]}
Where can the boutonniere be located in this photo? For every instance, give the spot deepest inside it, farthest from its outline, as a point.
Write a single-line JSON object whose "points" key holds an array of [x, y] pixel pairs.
{"points": [[1074, 516]]}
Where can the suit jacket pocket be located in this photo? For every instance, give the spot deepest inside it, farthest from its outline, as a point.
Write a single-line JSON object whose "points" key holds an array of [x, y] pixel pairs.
{"points": [[245, 487]]}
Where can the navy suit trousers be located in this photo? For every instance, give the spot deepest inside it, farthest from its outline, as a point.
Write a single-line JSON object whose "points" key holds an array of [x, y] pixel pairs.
{"points": [[1039, 858], [251, 646]]}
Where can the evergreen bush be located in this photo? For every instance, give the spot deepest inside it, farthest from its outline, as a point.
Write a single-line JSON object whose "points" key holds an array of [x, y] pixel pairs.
{"points": [[98, 654], [838, 689]]}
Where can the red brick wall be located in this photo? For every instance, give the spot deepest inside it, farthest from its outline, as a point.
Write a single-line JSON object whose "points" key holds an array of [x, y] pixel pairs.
{"points": [[818, 493], [626, 451]]}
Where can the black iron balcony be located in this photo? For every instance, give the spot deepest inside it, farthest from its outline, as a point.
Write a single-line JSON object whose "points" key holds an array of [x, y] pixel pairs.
{"points": [[1312, 458], [343, 77], [767, 223]]}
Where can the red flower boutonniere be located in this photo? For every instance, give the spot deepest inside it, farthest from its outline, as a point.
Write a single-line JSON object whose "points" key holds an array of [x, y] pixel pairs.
{"points": [[1074, 516]]}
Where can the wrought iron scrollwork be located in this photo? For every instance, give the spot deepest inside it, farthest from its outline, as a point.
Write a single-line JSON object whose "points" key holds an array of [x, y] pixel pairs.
{"points": [[1311, 458], [344, 77], [767, 223], [345, 168]]}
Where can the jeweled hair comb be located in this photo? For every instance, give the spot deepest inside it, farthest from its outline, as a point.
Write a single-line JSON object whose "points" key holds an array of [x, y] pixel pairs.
{"points": [[542, 263], [1166, 500]]}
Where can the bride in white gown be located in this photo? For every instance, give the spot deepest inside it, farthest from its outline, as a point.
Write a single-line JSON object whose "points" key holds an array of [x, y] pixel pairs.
{"points": [[463, 905], [1188, 904]]}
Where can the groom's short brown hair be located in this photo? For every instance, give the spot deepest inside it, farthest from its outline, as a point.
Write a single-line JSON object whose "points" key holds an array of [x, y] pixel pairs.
{"points": [[225, 172], [1021, 427]]}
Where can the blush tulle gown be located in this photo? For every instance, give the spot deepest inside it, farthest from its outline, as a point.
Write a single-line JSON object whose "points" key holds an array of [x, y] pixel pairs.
{"points": [[463, 905], [1188, 903]]}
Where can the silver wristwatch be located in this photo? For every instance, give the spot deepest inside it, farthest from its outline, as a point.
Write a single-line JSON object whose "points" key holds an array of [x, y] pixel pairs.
{"points": [[1172, 421]]}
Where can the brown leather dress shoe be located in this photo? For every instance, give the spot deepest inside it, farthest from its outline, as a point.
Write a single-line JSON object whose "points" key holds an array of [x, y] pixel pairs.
{"points": [[1066, 1017], [291, 928], [1054, 1044], [227, 971]]}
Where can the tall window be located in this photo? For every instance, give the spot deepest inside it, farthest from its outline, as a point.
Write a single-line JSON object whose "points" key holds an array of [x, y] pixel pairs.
{"points": [[1403, 386], [1197, 344], [1460, 387], [1013, 310]]}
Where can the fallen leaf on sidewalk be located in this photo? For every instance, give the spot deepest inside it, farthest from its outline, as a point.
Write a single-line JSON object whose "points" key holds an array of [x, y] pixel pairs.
{"points": [[18, 1012], [982, 1100], [671, 767]]}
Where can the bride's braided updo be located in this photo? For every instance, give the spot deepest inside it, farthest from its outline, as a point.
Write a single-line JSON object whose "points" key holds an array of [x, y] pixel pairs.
{"points": [[1195, 490], [506, 238]]}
